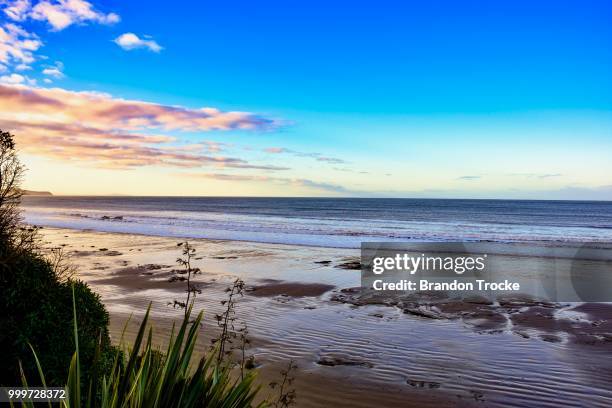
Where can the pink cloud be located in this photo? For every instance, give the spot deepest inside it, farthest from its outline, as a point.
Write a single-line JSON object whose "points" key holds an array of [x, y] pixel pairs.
{"points": [[117, 133], [104, 111], [276, 150]]}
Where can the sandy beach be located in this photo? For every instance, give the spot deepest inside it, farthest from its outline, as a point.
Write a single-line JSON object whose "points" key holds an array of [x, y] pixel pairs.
{"points": [[303, 304]]}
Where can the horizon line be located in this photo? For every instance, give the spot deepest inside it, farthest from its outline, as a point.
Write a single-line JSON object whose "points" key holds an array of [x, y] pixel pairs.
{"points": [[312, 197]]}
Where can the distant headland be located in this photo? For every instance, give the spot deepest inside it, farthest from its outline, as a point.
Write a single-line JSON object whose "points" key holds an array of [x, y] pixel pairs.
{"points": [[36, 193]]}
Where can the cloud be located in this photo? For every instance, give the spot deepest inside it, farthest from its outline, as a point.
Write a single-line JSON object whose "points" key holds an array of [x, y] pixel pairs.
{"points": [[116, 133], [23, 67], [298, 182], [259, 166], [130, 41], [54, 71], [17, 45], [61, 14], [276, 150], [321, 186], [536, 175], [214, 147], [318, 156], [12, 79], [469, 177], [279, 150], [332, 160], [16, 79], [103, 110], [17, 10]]}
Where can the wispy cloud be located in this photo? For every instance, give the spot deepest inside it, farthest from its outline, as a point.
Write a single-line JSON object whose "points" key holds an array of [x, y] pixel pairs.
{"points": [[536, 175], [276, 150], [332, 160], [130, 41], [469, 178], [283, 181], [317, 156], [117, 133], [55, 71], [258, 166]]}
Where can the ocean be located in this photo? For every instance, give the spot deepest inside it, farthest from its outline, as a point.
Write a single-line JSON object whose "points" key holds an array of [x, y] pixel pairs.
{"points": [[328, 222]]}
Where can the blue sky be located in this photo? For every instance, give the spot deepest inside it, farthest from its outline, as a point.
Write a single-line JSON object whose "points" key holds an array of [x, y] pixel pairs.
{"points": [[442, 98]]}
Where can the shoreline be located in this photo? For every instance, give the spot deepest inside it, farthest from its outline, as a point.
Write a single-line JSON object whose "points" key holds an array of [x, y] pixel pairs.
{"points": [[350, 349], [333, 223], [518, 243], [185, 237]]}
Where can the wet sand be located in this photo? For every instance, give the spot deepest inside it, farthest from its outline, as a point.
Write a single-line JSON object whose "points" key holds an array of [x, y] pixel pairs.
{"points": [[352, 348]]}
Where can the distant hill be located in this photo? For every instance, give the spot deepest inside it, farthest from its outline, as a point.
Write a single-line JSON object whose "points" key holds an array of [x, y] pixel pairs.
{"points": [[36, 193]]}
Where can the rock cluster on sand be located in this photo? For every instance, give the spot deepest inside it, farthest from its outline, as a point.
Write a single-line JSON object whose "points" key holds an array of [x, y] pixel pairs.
{"points": [[517, 313]]}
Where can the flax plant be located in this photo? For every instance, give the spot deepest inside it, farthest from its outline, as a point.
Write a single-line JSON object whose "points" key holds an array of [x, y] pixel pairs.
{"points": [[143, 376]]}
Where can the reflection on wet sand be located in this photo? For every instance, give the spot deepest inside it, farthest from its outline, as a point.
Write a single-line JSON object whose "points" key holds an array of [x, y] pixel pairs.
{"points": [[353, 348]]}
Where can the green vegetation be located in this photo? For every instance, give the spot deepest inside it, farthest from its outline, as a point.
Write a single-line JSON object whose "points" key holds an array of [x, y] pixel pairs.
{"points": [[44, 341], [36, 310], [36, 294], [143, 376]]}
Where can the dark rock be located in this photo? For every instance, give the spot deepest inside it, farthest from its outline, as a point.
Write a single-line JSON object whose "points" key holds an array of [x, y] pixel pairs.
{"points": [[352, 265], [423, 384], [421, 311], [333, 361], [551, 338], [522, 334]]}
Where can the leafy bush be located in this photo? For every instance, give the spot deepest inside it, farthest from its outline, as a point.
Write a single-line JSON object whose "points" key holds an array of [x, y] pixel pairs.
{"points": [[36, 309]]}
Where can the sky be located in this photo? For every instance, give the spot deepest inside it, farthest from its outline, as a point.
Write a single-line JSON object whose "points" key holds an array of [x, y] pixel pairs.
{"points": [[456, 99]]}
